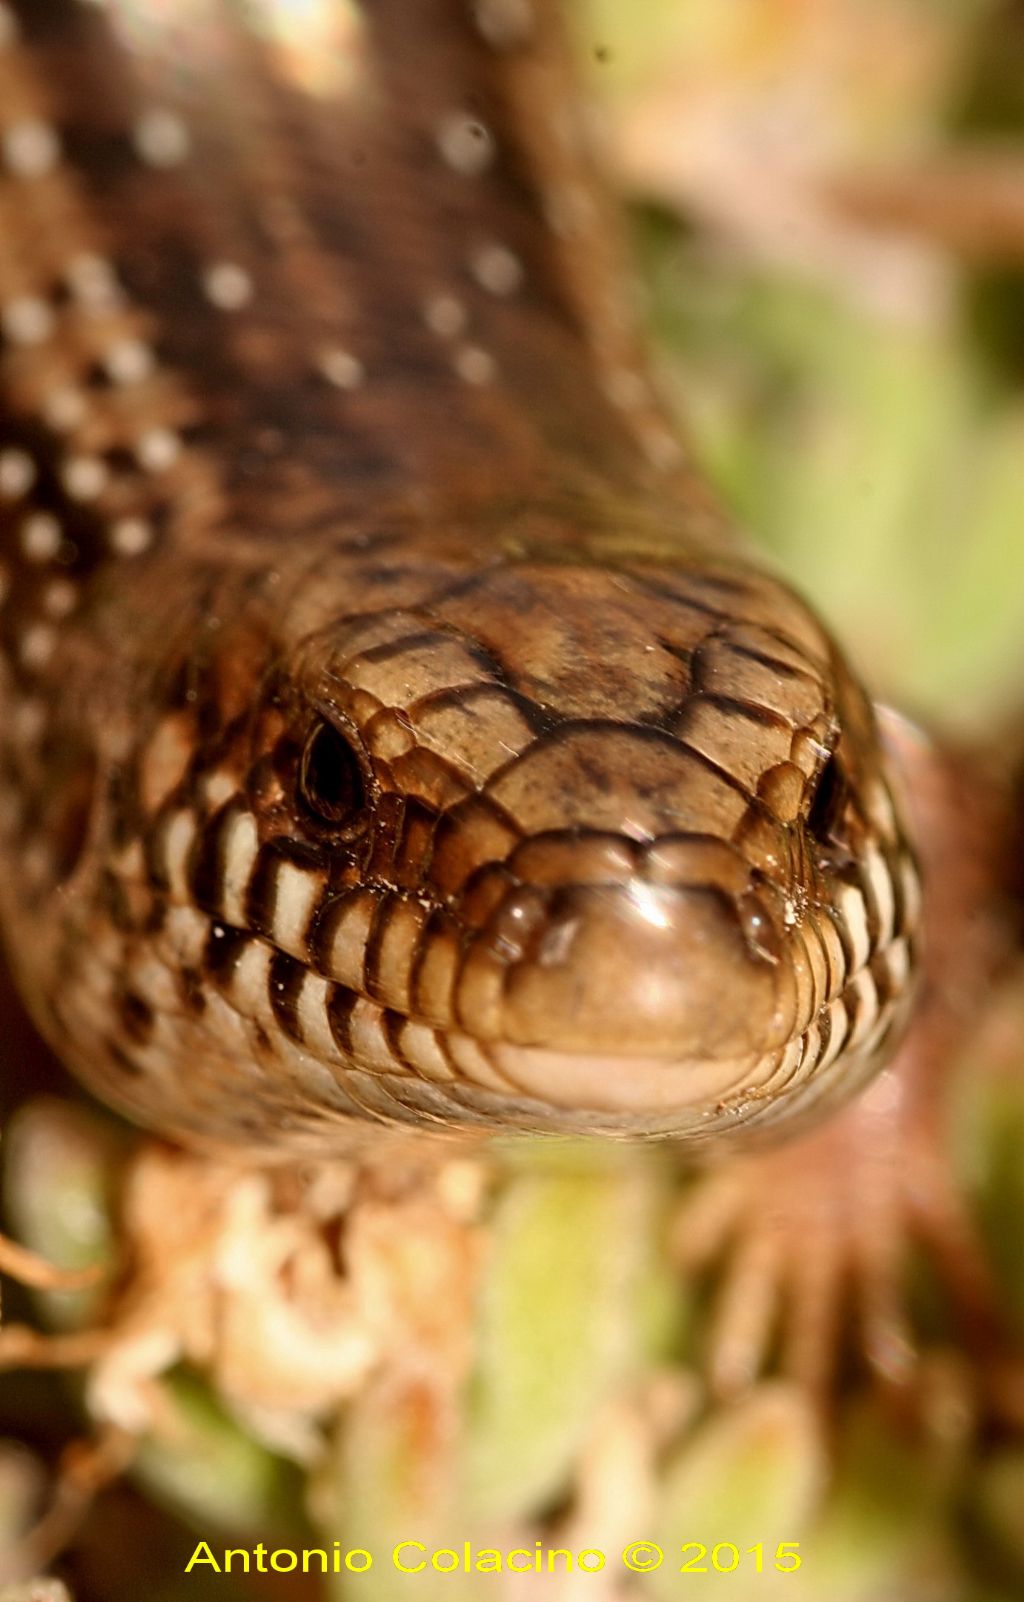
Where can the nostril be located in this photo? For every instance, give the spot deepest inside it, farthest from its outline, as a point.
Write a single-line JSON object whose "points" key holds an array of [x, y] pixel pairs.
{"points": [[760, 933], [515, 925]]}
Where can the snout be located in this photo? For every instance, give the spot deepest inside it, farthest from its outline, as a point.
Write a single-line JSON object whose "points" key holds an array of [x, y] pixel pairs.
{"points": [[634, 968]]}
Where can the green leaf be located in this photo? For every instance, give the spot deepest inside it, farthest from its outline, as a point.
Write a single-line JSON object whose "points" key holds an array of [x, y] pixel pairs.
{"points": [[574, 1300], [753, 1473]]}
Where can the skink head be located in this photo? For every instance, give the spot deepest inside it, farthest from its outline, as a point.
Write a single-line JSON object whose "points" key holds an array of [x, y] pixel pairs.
{"points": [[580, 847], [549, 844]]}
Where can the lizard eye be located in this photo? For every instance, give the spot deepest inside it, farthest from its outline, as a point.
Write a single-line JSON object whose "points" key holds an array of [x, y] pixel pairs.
{"points": [[331, 784], [828, 801]]}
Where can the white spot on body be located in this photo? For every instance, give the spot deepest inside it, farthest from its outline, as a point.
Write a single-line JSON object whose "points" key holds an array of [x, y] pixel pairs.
{"points": [[27, 320], [130, 536], [41, 537], [445, 315], [466, 144], [475, 365], [30, 149], [504, 24], [60, 598], [37, 645], [17, 473], [497, 269], [341, 368], [217, 788], [157, 449], [84, 477], [227, 286], [64, 409], [128, 361], [93, 282], [161, 138]]}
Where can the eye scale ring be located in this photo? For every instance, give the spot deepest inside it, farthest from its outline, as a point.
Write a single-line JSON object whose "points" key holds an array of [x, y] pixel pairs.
{"points": [[330, 780]]}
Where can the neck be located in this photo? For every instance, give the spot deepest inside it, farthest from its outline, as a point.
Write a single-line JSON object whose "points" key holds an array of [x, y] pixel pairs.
{"points": [[365, 244]]}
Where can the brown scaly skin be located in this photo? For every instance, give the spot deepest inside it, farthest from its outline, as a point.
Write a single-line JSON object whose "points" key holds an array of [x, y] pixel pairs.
{"points": [[394, 736], [393, 731]]}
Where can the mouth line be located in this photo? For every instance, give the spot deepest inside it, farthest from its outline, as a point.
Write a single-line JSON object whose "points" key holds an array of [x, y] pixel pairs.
{"points": [[645, 1095], [646, 1087]]}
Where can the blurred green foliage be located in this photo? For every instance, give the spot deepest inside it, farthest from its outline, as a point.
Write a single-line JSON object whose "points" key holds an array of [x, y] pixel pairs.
{"points": [[879, 456], [878, 462]]}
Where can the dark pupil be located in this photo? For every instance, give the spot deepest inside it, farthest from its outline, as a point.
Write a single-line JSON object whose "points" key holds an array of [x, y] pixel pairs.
{"points": [[829, 801], [330, 782]]}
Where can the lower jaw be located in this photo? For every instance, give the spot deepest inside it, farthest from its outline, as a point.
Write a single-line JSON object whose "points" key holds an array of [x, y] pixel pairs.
{"points": [[626, 1084], [533, 1089]]}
